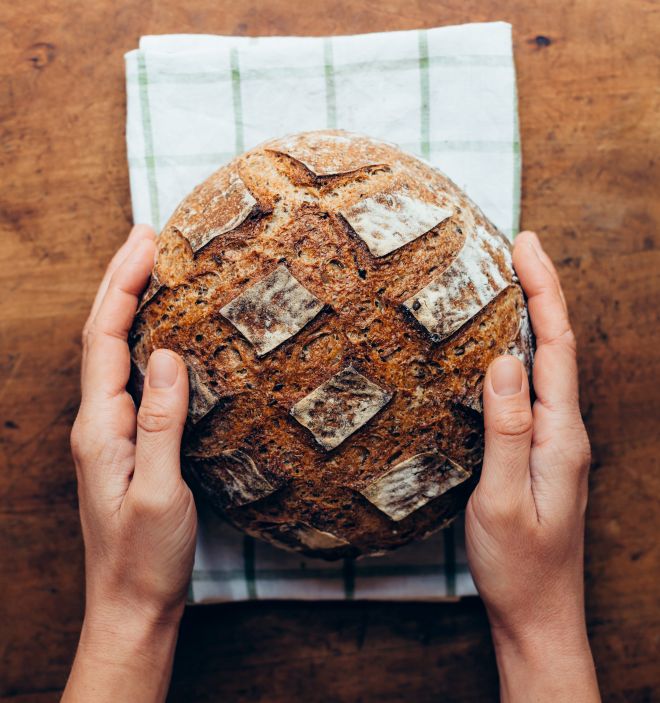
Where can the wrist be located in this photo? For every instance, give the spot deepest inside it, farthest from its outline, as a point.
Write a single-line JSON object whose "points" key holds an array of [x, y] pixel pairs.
{"points": [[122, 636], [546, 663], [561, 628], [536, 647], [123, 654], [113, 599]]}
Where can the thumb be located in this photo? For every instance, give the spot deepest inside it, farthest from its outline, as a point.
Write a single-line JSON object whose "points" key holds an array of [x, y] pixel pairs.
{"points": [[508, 427], [160, 422]]}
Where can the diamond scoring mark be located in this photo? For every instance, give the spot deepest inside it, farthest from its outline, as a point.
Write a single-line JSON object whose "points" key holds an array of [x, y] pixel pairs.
{"points": [[295, 537], [522, 347], [318, 539], [340, 406], [154, 286], [223, 213], [387, 221], [472, 396], [413, 483], [314, 538], [465, 287], [202, 398], [272, 310], [325, 154], [236, 479]]}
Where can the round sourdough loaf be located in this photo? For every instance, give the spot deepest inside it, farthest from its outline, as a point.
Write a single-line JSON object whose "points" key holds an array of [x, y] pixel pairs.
{"points": [[337, 303]]}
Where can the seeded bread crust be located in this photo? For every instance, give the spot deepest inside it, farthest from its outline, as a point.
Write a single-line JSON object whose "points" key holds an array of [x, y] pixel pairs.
{"points": [[337, 303]]}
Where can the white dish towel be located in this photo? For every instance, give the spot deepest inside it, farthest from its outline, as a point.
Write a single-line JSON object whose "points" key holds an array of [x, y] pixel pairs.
{"points": [[447, 95]]}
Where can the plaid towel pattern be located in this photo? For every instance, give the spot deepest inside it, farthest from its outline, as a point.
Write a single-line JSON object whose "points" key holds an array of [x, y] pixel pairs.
{"points": [[447, 95]]}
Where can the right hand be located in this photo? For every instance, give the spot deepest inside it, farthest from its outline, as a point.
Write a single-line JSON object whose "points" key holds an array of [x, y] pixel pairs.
{"points": [[525, 519]]}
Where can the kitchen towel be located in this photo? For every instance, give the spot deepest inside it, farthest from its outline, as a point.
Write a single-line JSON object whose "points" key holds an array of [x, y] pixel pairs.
{"points": [[447, 95]]}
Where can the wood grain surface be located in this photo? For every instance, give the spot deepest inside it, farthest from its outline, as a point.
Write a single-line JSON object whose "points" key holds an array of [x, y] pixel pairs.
{"points": [[589, 107]]}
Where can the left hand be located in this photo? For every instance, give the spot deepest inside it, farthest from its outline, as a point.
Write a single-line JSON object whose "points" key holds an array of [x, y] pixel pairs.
{"points": [[138, 515]]}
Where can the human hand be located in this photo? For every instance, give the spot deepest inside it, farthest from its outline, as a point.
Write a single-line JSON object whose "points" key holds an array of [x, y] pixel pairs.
{"points": [[138, 516], [525, 519]]}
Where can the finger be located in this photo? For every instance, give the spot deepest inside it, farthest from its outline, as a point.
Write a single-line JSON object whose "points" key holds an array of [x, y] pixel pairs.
{"points": [[508, 427], [137, 233], [532, 237], [160, 423], [555, 365], [106, 365]]}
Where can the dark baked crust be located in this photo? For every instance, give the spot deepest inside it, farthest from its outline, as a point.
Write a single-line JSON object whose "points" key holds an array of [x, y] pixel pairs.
{"points": [[346, 303]]}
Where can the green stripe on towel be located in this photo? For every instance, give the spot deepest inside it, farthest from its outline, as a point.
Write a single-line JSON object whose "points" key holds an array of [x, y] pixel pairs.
{"points": [[330, 92], [424, 93], [248, 567], [148, 141], [237, 101]]}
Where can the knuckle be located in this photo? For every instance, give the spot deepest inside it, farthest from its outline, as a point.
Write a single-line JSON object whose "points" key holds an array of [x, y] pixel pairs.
{"points": [[150, 504], [76, 441], [565, 339], [513, 422], [582, 493], [116, 275], [503, 512], [86, 331], [499, 512], [584, 457], [582, 497], [117, 258], [153, 418], [90, 334], [498, 509], [79, 438], [584, 450], [578, 451]]}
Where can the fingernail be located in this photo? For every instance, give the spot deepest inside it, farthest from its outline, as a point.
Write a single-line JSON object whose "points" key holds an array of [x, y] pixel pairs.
{"points": [[163, 370], [506, 375]]}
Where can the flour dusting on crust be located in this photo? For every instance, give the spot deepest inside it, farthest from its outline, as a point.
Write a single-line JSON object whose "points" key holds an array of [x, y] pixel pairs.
{"points": [[522, 346], [387, 221], [318, 539], [154, 286], [326, 154], [340, 406], [272, 310], [480, 272], [235, 477], [299, 536], [473, 396], [413, 483], [203, 397], [223, 213]]}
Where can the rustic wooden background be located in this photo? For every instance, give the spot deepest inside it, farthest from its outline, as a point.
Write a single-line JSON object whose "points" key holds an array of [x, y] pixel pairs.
{"points": [[590, 117]]}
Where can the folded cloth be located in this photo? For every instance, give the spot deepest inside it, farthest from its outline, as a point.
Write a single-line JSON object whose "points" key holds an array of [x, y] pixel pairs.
{"points": [[447, 95]]}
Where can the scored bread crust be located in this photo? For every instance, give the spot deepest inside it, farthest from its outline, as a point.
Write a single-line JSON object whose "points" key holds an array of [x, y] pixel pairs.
{"points": [[337, 303]]}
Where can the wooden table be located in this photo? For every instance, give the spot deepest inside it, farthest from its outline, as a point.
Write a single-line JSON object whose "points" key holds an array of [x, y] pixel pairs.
{"points": [[589, 107]]}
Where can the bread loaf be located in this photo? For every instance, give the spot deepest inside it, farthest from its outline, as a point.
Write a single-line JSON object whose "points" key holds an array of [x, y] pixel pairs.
{"points": [[337, 303]]}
